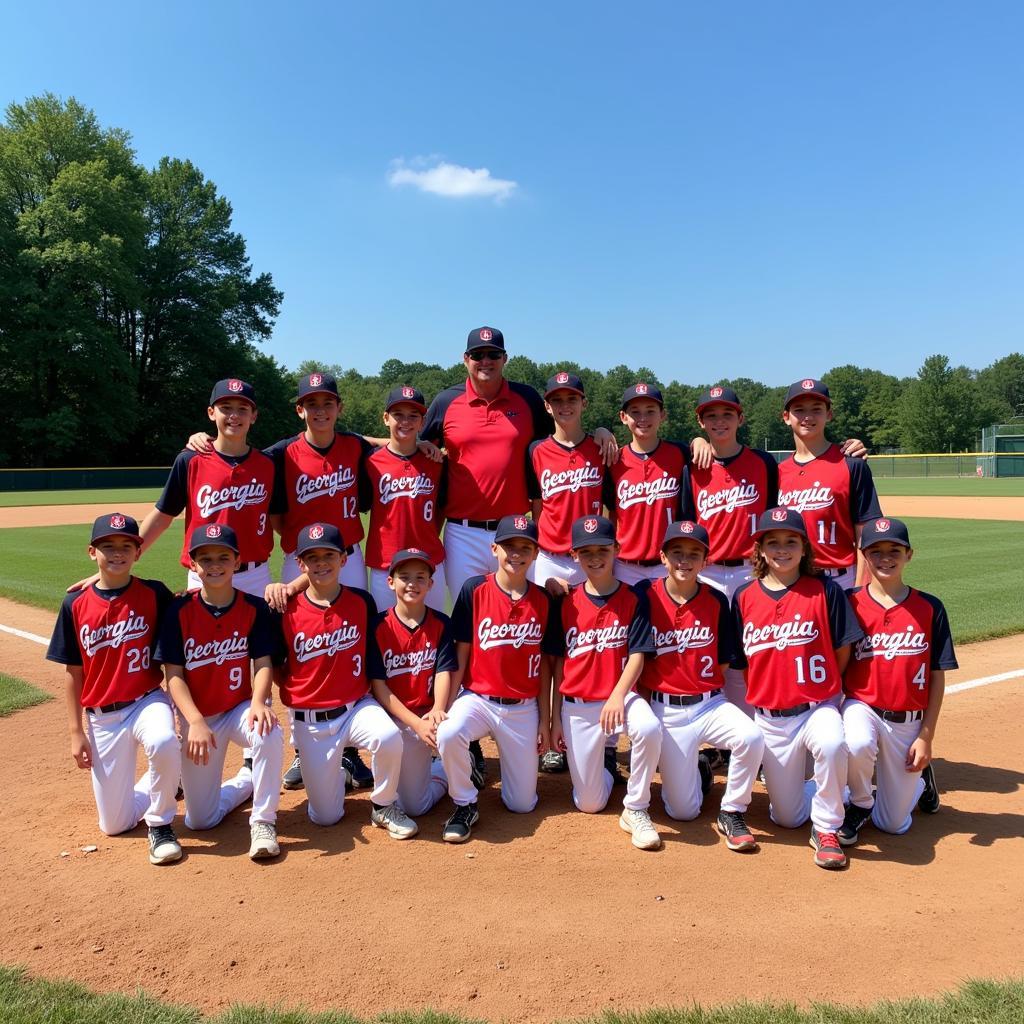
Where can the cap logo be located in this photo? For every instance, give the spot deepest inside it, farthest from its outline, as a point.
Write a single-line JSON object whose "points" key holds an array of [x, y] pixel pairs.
{"points": [[414, 551], [715, 392], [486, 334], [316, 532], [408, 393], [213, 530], [590, 525], [315, 380], [561, 378], [640, 389], [779, 515], [235, 385], [882, 526], [807, 385], [117, 522], [686, 528], [519, 522]]}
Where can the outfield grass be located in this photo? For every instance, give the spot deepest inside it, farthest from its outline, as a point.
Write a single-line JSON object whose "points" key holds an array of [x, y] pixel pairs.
{"points": [[34, 1001], [967, 486], [114, 497], [16, 694]]}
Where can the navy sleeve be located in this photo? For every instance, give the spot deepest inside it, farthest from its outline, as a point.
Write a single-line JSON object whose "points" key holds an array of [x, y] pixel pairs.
{"points": [[739, 659], [772, 469], [374, 660], [532, 483], [280, 655], [686, 462], [174, 498], [842, 622], [608, 491], [279, 495], [863, 496], [447, 659], [726, 632], [687, 507], [163, 601], [170, 645], [64, 647], [433, 423], [640, 639], [363, 489], [442, 489], [264, 636], [943, 655], [462, 613], [543, 424], [553, 642]]}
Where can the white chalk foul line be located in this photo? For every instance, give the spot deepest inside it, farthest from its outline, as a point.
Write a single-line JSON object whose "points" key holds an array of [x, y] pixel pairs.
{"points": [[970, 684]]}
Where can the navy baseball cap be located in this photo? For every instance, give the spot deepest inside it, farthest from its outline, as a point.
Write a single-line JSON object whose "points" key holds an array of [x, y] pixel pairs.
{"points": [[780, 519], [317, 384], [405, 393], [684, 529], [807, 388], [592, 530], [719, 395], [213, 533], [232, 387], [410, 555], [485, 337], [319, 535], [642, 390], [114, 524], [877, 530], [563, 381], [515, 526]]}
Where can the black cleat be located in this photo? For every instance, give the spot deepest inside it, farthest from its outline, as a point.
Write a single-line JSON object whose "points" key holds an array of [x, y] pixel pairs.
{"points": [[362, 777], [164, 847], [459, 827], [611, 765], [553, 762], [929, 802], [293, 777], [856, 818], [479, 769], [738, 836], [706, 777]]}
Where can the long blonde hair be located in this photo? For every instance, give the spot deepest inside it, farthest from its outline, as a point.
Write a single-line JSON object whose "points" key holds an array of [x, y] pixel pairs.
{"points": [[807, 566]]}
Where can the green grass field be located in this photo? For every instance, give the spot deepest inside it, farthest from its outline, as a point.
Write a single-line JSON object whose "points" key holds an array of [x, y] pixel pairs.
{"points": [[953, 487], [16, 694], [34, 1001], [112, 497]]}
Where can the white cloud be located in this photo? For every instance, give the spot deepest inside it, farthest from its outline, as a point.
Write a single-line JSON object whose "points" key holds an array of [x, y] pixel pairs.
{"points": [[445, 179]]}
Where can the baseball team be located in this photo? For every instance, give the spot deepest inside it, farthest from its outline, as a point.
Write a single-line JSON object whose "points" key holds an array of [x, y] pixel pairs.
{"points": [[721, 611]]}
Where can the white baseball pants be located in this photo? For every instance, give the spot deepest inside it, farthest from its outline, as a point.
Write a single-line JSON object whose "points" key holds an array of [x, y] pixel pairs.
{"points": [[321, 745], [209, 798], [880, 748], [252, 581], [585, 743], [728, 579], [632, 574], [684, 729], [793, 799], [384, 597], [547, 566], [421, 781], [352, 574], [514, 729], [114, 737], [467, 552]]}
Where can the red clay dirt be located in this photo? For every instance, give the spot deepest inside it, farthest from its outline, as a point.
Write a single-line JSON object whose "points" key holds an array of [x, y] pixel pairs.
{"points": [[543, 916]]}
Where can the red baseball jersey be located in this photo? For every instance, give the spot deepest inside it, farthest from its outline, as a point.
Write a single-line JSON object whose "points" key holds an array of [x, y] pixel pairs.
{"points": [[508, 638], [644, 497], [569, 480], [112, 634], [330, 654], [788, 640], [727, 498], [487, 446], [691, 641], [832, 493], [892, 663], [412, 656], [406, 505], [215, 488], [215, 646], [597, 635], [321, 485]]}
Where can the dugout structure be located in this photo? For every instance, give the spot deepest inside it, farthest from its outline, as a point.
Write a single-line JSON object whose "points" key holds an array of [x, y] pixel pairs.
{"points": [[1003, 445]]}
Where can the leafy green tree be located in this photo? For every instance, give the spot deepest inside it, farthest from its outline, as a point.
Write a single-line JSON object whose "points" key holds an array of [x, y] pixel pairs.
{"points": [[937, 410]]}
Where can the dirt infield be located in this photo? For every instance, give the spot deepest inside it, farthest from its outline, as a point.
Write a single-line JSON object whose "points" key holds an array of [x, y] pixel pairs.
{"points": [[65, 515], [541, 916]]}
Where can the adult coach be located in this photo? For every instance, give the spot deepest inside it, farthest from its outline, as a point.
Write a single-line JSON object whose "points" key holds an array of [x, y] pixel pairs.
{"points": [[486, 426]]}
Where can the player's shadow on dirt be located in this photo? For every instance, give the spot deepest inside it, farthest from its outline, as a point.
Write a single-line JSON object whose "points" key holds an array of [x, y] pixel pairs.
{"points": [[963, 776]]}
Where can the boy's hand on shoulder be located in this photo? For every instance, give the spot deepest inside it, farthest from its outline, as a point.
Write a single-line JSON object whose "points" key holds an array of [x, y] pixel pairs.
{"points": [[556, 586], [919, 756], [261, 718], [276, 595], [613, 714], [200, 442], [431, 450], [853, 448], [609, 446], [701, 453], [200, 740], [83, 584], [81, 750]]}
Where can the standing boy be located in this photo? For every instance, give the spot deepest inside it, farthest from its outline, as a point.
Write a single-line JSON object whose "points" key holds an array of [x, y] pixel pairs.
{"points": [[504, 635], [210, 642], [603, 637], [894, 686], [419, 659], [105, 637]]}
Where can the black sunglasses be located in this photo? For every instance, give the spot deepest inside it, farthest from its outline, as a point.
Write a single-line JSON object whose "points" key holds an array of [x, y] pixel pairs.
{"points": [[485, 353]]}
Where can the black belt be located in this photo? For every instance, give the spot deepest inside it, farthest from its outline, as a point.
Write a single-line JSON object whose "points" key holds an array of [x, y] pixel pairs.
{"points": [[580, 700], [503, 700], [246, 566], [683, 700], [730, 563], [645, 563], [119, 705], [477, 524], [897, 716], [792, 712], [323, 716]]}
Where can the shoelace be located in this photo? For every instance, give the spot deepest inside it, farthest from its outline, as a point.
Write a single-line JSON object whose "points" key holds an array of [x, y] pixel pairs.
{"points": [[462, 816], [641, 819], [736, 824], [163, 834], [393, 815], [296, 763], [828, 841], [264, 830]]}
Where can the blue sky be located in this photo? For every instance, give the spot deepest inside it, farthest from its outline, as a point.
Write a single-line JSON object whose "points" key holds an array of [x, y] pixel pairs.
{"points": [[706, 189]]}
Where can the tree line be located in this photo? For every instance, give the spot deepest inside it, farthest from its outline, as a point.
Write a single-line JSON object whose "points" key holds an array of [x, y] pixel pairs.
{"points": [[125, 292]]}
